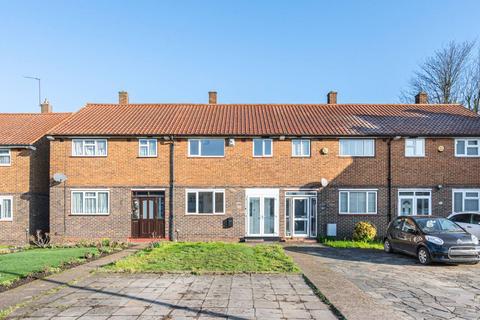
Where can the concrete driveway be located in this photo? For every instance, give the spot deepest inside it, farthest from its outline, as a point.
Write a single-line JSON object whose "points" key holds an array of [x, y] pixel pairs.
{"points": [[395, 281]]}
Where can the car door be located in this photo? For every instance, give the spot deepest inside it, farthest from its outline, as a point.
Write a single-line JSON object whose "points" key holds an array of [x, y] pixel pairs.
{"points": [[408, 233], [475, 225], [395, 233], [464, 220]]}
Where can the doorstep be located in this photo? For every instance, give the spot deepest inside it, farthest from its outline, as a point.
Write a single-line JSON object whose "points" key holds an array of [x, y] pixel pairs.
{"points": [[145, 240]]}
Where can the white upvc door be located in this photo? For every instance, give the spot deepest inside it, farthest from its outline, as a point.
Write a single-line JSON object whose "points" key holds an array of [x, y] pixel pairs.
{"points": [[301, 215], [262, 207]]}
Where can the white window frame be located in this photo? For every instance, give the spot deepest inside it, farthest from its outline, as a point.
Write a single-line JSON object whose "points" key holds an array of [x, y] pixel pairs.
{"points": [[96, 191], [341, 152], [464, 197], [145, 142], [367, 191], [95, 145], [196, 191], [416, 142], [2, 218], [302, 152], [199, 155], [414, 197], [466, 146], [263, 155], [9, 155]]}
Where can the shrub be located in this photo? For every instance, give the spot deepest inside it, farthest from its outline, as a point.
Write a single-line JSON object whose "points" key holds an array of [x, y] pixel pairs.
{"points": [[364, 231]]}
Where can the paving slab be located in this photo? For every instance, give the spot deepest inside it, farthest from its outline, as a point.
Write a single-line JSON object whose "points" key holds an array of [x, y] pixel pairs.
{"points": [[369, 284], [125, 296]]}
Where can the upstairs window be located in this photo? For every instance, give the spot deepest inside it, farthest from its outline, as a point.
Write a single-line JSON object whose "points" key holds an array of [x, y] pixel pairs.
{"points": [[147, 148], [5, 157], [205, 201], [90, 202], [300, 148], [415, 147], [262, 147], [206, 147], [89, 147], [6, 213], [467, 200], [357, 147], [467, 147]]}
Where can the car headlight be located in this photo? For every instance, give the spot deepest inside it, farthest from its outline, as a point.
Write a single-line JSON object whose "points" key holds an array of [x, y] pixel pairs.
{"points": [[435, 240], [475, 240]]}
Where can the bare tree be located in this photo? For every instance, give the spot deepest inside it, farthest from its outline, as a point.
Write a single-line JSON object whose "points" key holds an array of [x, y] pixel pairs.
{"points": [[443, 75], [471, 94]]}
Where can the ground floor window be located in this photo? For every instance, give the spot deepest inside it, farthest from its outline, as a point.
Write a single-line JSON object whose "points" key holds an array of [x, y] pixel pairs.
{"points": [[466, 200], [205, 201], [358, 201], [6, 213], [95, 202], [413, 202]]}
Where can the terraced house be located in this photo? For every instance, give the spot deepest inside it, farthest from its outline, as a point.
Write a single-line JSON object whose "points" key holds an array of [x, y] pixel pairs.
{"points": [[270, 171], [24, 173]]}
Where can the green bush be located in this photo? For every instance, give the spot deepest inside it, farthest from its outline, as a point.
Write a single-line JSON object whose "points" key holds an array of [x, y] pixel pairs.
{"points": [[364, 231]]}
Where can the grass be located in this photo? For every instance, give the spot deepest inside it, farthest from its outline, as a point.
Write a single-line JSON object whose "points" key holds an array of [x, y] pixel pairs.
{"points": [[210, 257], [352, 244], [15, 266]]}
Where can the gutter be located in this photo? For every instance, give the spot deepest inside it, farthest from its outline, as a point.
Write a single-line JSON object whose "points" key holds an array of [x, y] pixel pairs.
{"points": [[18, 146]]}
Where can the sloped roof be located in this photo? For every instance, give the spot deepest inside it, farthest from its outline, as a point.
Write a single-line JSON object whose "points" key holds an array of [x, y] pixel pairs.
{"points": [[26, 128], [271, 119]]}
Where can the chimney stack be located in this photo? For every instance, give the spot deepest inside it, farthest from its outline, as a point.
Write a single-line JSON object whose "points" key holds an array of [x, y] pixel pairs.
{"points": [[123, 97], [421, 98], [212, 97], [45, 107], [332, 97]]}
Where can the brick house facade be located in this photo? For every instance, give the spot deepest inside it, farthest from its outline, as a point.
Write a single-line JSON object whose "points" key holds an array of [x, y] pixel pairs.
{"points": [[24, 172], [175, 193]]}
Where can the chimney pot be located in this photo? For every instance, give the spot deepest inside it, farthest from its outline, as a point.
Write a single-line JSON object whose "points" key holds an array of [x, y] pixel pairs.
{"points": [[45, 107], [332, 97], [123, 97], [212, 97], [421, 98]]}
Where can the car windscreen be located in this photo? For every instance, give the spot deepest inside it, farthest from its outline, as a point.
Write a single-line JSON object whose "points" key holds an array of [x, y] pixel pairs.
{"points": [[437, 225]]}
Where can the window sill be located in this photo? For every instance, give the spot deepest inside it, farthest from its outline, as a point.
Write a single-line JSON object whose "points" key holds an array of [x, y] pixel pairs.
{"points": [[301, 156], [204, 214], [6, 220], [6, 165], [357, 214], [88, 156], [89, 214], [414, 156], [146, 157], [193, 157], [348, 156]]}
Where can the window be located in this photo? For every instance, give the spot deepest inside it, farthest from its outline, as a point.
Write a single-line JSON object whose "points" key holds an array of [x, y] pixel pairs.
{"points": [[147, 147], [206, 147], [358, 202], [414, 147], [397, 223], [357, 147], [467, 147], [300, 148], [409, 226], [89, 147], [262, 147], [467, 200], [462, 218], [94, 202], [414, 202], [6, 213], [205, 201], [5, 157]]}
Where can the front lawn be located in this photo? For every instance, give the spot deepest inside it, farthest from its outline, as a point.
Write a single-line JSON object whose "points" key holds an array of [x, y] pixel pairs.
{"points": [[15, 266], [201, 257], [352, 244]]}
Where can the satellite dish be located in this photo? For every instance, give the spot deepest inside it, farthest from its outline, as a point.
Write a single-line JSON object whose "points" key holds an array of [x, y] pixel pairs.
{"points": [[324, 182], [59, 177]]}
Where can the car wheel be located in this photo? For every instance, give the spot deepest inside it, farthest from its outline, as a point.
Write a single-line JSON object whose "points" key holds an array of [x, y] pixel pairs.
{"points": [[387, 246], [423, 256]]}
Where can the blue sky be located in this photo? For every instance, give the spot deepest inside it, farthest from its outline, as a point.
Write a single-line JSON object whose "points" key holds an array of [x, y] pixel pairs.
{"points": [[249, 51]]}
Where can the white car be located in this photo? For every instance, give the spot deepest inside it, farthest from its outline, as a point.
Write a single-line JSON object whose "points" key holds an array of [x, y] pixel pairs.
{"points": [[469, 221]]}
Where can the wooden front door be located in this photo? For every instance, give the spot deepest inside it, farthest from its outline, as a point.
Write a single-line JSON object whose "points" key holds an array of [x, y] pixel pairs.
{"points": [[148, 221]]}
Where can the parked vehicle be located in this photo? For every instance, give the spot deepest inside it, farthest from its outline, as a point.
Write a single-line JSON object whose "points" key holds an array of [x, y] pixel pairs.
{"points": [[469, 221], [432, 239]]}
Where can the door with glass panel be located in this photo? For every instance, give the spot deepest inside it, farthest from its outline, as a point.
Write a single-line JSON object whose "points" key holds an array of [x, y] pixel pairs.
{"points": [[301, 214], [414, 202], [148, 215], [262, 212]]}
